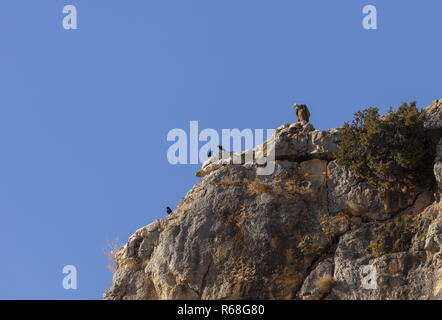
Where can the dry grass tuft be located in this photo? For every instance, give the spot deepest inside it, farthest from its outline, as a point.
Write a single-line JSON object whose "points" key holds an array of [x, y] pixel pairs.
{"points": [[111, 254], [257, 187], [132, 265], [292, 188], [227, 181], [394, 267], [325, 283]]}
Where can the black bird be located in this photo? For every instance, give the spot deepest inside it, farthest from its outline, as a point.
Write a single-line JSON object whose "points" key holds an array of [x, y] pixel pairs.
{"points": [[169, 211], [209, 154], [221, 148]]}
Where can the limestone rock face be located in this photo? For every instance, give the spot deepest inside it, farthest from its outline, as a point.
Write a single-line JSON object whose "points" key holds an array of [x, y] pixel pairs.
{"points": [[407, 273], [433, 115], [438, 166], [310, 230], [293, 142]]}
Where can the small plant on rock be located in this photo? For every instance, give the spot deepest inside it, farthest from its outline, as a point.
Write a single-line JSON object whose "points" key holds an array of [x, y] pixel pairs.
{"points": [[325, 283], [377, 248], [227, 181], [311, 245], [257, 187], [111, 254]]}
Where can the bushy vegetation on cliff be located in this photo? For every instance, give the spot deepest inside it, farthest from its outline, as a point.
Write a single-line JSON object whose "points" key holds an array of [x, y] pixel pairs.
{"points": [[388, 151]]}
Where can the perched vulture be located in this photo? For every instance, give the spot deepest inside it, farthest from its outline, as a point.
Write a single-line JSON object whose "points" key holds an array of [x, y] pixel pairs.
{"points": [[302, 112]]}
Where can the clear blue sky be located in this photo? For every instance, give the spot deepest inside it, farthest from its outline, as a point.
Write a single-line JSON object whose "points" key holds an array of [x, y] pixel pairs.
{"points": [[84, 114]]}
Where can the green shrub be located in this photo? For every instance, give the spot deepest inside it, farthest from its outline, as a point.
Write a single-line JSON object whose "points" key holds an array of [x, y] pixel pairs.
{"points": [[399, 232], [387, 151], [377, 248], [394, 236], [311, 246], [422, 236]]}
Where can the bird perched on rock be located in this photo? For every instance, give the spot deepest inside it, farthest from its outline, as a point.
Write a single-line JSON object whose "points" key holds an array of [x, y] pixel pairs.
{"points": [[302, 112], [169, 211], [221, 149]]}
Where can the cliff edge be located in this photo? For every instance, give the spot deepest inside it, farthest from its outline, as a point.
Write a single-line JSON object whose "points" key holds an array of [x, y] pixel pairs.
{"points": [[310, 230]]}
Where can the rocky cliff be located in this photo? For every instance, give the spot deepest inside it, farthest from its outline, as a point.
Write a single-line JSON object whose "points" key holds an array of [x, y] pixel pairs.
{"points": [[310, 230]]}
